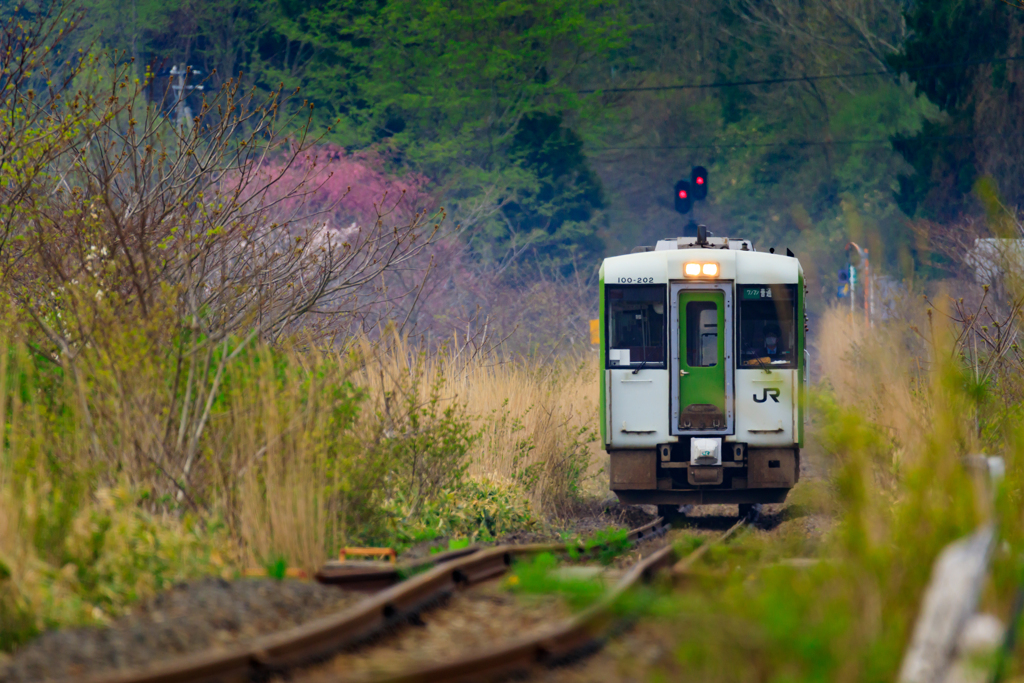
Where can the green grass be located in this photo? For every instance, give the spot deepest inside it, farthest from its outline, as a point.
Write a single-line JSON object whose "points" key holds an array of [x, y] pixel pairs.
{"points": [[538, 576]]}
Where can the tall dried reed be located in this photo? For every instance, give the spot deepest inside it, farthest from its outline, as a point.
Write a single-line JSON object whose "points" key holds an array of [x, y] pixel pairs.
{"points": [[318, 448], [286, 461], [879, 373], [537, 418], [898, 418]]}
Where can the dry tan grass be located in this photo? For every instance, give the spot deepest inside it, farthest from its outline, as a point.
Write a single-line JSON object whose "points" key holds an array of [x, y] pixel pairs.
{"points": [[538, 419], [879, 373], [898, 418], [277, 459], [290, 489]]}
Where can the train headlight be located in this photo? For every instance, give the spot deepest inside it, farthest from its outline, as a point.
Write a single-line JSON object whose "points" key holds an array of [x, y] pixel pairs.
{"points": [[697, 269]]}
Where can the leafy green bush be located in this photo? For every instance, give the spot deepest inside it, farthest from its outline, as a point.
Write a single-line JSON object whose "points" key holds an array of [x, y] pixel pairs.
{"points": [[97, 557], [475, 510], [426, 440]]}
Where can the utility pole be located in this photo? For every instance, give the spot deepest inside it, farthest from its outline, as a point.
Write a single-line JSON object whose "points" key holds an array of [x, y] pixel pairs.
{"points": [[181, 91]]}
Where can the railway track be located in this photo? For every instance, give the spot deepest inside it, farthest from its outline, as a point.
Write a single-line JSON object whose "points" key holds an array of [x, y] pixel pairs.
{"points": [[565, 641], [438, 579]]}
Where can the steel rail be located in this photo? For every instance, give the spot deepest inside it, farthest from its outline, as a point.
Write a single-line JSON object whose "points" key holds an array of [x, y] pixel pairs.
{"points": [[361, 578], [580, 634], [682, 567], [322, 637]]}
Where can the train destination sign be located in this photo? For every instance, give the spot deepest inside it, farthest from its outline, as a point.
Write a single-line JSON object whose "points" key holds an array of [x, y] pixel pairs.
{"points": [[757, 292]]}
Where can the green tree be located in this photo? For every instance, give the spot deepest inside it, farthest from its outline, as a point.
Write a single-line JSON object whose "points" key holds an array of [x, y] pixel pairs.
{"points": [[553, 215], [470, 94], [784, 171], [981, 132]]}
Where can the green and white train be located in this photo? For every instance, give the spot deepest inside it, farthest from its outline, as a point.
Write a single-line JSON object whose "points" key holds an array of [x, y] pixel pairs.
{"points": [[703, 371]]}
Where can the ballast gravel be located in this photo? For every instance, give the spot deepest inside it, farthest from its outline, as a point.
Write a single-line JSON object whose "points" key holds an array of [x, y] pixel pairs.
{"points": [[189, 618], [475, 620]]}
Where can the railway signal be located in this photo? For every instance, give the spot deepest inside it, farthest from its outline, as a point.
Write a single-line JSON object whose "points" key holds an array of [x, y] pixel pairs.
{"points": [[684, 196], [843, 290], [867, 290], [699, 183]]}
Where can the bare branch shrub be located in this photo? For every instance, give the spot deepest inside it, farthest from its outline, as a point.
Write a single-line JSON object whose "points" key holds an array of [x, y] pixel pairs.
{"points": [[979, 308], [149, 253]]}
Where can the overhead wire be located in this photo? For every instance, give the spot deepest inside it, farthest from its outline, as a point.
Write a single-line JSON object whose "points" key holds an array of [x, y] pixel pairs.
{"points": [[798, 79], [791, 79], [788, 143]]}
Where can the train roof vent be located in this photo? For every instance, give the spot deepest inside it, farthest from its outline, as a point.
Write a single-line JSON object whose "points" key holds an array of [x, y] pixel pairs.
{"points": [[691, 242], [712, 243]]}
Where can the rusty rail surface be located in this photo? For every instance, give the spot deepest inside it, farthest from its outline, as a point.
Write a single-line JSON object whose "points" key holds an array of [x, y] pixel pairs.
{"points": [[577, 635], [322, 637], [370, 579]]}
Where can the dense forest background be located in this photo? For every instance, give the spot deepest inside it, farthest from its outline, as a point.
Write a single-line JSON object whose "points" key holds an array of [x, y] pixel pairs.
{"points": [[552, 131]]}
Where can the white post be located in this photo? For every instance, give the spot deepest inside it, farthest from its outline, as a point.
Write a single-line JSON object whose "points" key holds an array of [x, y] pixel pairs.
{"points": [[853, 290], [949, 601]]}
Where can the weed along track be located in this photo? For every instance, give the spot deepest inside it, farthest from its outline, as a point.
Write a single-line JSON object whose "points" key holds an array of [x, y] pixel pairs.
{"points": [[345, 619]]}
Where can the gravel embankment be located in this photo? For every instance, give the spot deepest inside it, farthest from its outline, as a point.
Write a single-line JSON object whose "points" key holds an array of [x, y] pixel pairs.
{"points": [[189, 618]]}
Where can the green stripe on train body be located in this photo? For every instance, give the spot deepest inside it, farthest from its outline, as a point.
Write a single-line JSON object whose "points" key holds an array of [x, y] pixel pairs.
{"points": [[602, 360]]}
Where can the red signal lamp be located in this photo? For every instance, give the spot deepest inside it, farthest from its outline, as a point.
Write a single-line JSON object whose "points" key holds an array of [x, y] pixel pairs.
{"points": [[699, 183], [683, 198]]}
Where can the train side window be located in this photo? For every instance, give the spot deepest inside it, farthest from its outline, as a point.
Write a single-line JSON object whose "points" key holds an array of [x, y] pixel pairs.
{"points": [[636, 326], [767, 326], [701, 334]]}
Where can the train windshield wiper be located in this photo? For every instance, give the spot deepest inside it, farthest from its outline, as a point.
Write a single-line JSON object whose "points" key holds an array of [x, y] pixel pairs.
{"points": [[645, 337]]}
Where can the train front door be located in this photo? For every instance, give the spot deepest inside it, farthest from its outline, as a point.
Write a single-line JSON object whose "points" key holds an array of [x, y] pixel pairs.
{"points": [[703, 355]]}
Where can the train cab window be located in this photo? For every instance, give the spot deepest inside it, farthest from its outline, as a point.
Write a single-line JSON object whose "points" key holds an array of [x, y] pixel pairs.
{"points": [[701, 334], [636, 326], [767, 326]]}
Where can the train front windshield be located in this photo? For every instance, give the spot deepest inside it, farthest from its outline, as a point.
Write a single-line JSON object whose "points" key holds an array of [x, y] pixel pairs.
{"points": [[636, 326], [767, 326]]}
